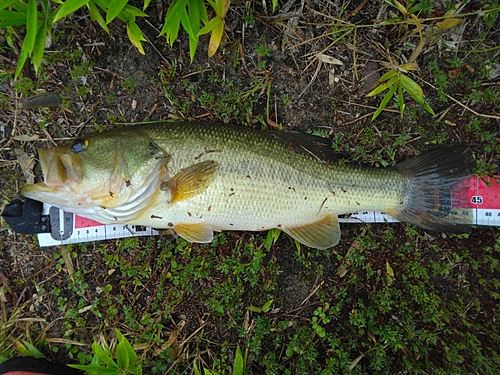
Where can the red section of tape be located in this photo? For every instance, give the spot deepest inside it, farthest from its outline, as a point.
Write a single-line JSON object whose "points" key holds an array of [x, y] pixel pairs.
{"points": [[477, 192], [82, 222], [488, 188]]}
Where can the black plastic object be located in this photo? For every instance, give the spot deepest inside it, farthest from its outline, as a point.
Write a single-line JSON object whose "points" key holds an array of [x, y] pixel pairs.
{"points": [[24, 215], [38, 366]]}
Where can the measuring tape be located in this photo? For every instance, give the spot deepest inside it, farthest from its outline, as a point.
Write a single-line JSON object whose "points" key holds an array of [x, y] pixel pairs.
{"points": [[481, 194]]}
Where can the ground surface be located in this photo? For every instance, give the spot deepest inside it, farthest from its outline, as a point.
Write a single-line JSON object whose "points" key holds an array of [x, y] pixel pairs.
{"points": [[389, 299]]}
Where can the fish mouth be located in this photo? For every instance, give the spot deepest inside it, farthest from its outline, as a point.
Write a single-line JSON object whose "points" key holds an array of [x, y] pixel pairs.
{"points": [[59, 170]]}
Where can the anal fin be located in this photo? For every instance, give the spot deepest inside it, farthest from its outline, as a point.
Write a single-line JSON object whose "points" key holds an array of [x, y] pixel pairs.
{"points": [[195, 232], [321, 234]]}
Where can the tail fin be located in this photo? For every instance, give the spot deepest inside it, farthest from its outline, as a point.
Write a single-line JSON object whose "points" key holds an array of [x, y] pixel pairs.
{"points": [[428, 201]]}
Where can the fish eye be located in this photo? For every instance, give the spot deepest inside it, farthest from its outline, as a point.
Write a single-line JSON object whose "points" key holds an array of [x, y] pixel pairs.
{"points": [[79, 145]]}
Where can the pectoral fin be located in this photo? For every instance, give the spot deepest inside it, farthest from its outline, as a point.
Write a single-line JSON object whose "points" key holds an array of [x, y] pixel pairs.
{"points": [[198, 232], [321, 234], [191, 181]]}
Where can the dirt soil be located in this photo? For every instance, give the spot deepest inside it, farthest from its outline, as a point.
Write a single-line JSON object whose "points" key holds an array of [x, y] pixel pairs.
{"points": [[105, 81]]}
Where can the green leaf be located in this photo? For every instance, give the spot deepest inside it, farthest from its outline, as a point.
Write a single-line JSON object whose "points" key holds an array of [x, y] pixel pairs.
{"points": [[7, 3], [37, 56], [136, 12], [413, 88], [31, 26], [115, 7], [146, 4], [172, 20], [210, 26], [34, 352], [238, 365], [384, 101], [23, 56], [401, 101], [389, 74], [383, 87], [135, 35], [70, 6], [267, 305], [103, 355], [195, 369], [203, 11], [416, 92], [215, 38], [95, 15], [122, 356], [12, 18], [186, 23], [126, 346], [20, 6]]}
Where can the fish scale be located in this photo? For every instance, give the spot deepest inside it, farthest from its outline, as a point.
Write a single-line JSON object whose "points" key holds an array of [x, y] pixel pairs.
{"points": [[267, 183]]}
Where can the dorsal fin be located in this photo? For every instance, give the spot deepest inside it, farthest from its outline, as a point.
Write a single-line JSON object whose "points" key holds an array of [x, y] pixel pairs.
{"points": [[319, 147]]}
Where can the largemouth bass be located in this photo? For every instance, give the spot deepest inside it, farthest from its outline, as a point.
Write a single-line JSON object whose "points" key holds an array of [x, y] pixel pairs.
{"points": [[197, 178]]}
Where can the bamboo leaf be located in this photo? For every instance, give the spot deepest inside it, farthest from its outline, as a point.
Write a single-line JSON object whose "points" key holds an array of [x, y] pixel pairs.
{"points": [[186, 23], [39, 48], [95, 15], [389, 74], [384, 101], [136, 12], [203, 11], [415, 92], [172, 20], [215, 38], [31, 27], [401, 100], [115, 7], [70, 6], [383, 86], [135, 35], [23, 56], [412, 88], [210, 26]]}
